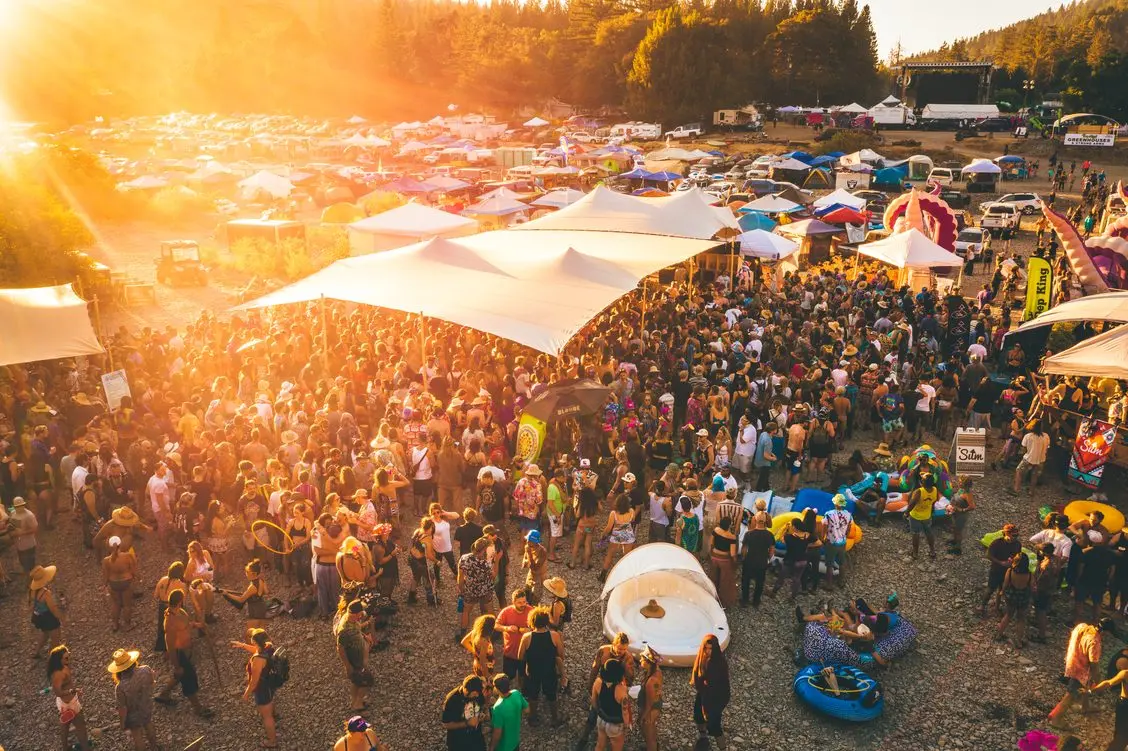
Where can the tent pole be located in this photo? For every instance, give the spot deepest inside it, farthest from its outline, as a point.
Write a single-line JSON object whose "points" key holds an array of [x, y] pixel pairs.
{"points": [[98, 329], [324, 335]]}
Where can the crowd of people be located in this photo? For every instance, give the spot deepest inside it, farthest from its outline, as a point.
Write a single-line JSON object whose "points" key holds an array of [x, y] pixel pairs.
{"points": [[282, 451]]}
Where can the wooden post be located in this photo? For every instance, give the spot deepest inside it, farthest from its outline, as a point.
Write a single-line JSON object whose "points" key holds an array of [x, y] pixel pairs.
{"points": [[99, 333], [325, 335]]}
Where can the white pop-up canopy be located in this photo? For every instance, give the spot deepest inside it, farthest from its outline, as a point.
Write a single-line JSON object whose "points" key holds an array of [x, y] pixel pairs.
{"points": [[840, 196], [536, 122], [911, 249], [497, 206], [852, 108], [497, 282], [982, 167], [44, 323], [770, 204], [267, 182], [1106, 306], [1105, 354], [760, 243], [403, 225]]}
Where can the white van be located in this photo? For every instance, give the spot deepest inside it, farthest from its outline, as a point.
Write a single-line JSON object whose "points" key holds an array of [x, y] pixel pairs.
{"points": [[942, 176]]}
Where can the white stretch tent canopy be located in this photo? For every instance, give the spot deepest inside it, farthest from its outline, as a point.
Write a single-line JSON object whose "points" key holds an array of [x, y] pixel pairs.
{"points": [[496, 206], [44, 323], [404, 225], [684, 214], [497, 282], [1106, 306], [910, 249], [267, 182], [673, 577], [558, 199], [840, 196], [536, 122], [770, 204], [1105, 354], [760, 243]]}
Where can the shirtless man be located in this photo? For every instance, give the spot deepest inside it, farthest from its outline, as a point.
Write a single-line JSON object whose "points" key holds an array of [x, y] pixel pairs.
{"points": [[178, 627], [123, 524], [119, 569]]}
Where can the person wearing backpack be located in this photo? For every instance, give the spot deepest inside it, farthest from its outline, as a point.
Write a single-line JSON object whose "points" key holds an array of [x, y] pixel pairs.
{"points": [[267, 671]]}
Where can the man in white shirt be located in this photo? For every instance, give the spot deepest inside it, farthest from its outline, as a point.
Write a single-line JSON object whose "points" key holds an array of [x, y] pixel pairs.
{"points": [[1036, 443], [839, 374], [745, 447], [978, 349], [422, 484], [78, 475], [924, 405], [158, 491], [754, 347]]}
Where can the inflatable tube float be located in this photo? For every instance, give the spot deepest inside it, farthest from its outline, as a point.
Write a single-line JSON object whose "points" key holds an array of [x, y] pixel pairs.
{"points": [[990, 537], [914, 206], [1113, 517], [860, 697], [896, 503], [782, 522], [820, 500]]}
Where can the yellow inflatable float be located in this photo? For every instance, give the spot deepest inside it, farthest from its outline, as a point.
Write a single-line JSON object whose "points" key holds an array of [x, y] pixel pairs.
{"points": [[781, 522], [1113, 518]]}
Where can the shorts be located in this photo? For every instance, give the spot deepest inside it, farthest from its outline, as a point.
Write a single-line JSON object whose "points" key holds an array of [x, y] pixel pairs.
{"points": [[189, 680], [921, 527], [610, 729], [995, 579], [1043, 602], [264, 694], [1074, 688], [27, 559], [536, 685], [794, 461], [1024, 465], [556, 526], [512, 667], [1089, 592], [742, 463], [890, 425], [979, 420]]}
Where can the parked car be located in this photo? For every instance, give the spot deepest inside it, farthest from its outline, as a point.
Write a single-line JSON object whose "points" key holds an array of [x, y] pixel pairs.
{"points": [[759, 187], [955, 199], [970, 238], [692, 130], [992, 125], [1027, 203], [943, 176], [1000, 219], [580, 136]]}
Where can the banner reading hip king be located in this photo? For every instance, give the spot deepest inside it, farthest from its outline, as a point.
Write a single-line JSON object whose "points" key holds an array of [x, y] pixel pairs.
{"points": [[530, 438], [1039, 279], [1095, 439]]}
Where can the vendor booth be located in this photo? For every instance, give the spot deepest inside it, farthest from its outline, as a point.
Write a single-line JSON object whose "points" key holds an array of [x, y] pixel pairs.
{"points": [[982, 176]]}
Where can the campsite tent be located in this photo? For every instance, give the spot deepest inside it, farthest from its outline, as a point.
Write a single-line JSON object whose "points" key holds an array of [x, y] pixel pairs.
{"points": [[842, 197], [910, 249], [44, 323], [1105, 354], [865, 156], [853, 109], [267, 182], [496, 206], [559, 198], [536, 122], [770, 204], [768, 245], [404, 225], [674, 578]]}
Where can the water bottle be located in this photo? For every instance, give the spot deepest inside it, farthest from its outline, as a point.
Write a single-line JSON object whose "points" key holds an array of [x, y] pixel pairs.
{"points": [[460, 605]]}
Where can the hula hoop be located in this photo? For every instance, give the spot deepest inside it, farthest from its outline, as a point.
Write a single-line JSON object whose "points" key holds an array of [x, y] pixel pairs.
{"points": [[285, 536]]}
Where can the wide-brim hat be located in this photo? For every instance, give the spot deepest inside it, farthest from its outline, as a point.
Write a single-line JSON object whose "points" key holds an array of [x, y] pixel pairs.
{"points": [[123, 660], [40, 406], [19, 503], [650, 655], [883, 450], [82, 398], [125, 516], [556, 586], [533, 470], [652, 610], [850, 351], [41, 576], [380, 442], [289, 436]]}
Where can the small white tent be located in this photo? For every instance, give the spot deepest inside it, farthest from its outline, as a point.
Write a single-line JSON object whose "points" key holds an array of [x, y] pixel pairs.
{"points": [[536, 122], [1105, 354], [267, 182], [405, 225], [760, 243], [44, 323], [912, 250], [842, 197]]}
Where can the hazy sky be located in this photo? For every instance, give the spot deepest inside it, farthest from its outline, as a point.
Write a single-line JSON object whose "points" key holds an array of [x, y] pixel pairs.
{"points": [[925, 24]]}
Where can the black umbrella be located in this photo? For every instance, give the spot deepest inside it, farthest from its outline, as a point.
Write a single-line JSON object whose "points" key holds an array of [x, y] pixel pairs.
{"points": [[576, 397]]}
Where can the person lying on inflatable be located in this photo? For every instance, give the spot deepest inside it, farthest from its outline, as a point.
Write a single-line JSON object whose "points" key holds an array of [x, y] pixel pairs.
{"points": [[893, 637], [915, 465]]}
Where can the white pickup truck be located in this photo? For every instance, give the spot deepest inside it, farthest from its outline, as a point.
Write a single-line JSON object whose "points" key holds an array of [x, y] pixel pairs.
{"points": [[693, 130], [1000, 219]]}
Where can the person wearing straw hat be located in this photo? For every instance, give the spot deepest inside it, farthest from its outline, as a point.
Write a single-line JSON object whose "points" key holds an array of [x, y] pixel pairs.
{"points": [[650, 696], [133, 692], [123, 524], [46, 615]]}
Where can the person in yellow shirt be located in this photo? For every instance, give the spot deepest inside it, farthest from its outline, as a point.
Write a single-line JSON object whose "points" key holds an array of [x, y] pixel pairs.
{"points": [[188, 426], [919, 512]]}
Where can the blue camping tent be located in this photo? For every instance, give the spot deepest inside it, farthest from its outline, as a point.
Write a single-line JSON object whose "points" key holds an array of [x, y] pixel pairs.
{"points": [[755, 220]]}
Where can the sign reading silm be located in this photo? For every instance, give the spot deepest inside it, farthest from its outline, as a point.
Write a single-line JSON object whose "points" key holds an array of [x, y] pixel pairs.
{"points": [[1090, 139]]}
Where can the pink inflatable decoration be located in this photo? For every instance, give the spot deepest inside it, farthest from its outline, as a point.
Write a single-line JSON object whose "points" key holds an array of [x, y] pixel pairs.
{"points": [[940, 217], [1100, 263]]}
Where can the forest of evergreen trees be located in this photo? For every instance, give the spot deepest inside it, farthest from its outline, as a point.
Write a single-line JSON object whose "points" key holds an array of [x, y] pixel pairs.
{"points": [[396, 59]]}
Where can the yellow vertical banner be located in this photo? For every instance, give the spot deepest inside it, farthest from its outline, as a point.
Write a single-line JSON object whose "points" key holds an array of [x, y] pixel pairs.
{"points": [[530, 438], [1039, 279]]}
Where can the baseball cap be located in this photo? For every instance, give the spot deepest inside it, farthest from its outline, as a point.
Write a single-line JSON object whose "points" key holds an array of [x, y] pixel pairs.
{"points": [[629, 477], [357, 724], [585, 463]]}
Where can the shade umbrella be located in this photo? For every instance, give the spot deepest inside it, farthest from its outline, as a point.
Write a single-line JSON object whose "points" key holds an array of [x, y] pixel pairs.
{"points": [[576, 397], [842, 215]]}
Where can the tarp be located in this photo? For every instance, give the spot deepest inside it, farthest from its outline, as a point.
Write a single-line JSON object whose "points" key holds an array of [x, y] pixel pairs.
{"points": [[657, 557], [808, 227], [792, 165], [559, 198], [1106, 306], [509, 271], [910, 249], [768, 245], [1105, 354], [840, 196], [44, 323]]}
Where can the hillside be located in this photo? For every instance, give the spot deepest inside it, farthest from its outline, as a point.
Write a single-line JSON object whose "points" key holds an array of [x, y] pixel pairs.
{"points": [[1080, 49]]}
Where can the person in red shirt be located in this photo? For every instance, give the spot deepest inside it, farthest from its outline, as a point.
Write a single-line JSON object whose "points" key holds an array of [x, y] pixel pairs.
{"points": [[513, 622]]}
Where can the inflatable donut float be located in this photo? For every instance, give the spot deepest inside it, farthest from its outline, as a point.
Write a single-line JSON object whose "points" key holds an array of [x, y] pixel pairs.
{"points": [[781, 523], [914, 206], [1113, 518], [896, 503], [860, 697]]}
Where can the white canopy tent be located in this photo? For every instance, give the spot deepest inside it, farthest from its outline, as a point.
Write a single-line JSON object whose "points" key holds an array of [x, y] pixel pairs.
{"points": [[1106, 306], [404, 225], [982, 167], [1105, 354], [912, 250], [44, 323], [265, 181], [496, 206], [558, 199], [496, 281], [671, 576], [852, 108], [865, 156], [790, 164], [536, 122], [842, 197], [760, 243], [770, 204], [503, 192]]}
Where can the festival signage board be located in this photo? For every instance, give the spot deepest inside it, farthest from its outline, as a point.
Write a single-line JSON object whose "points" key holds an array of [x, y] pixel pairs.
{"points": [[970, 452], [1090, 139], [1091, 451], [530, 438], [1039, 279], [116, 385]]}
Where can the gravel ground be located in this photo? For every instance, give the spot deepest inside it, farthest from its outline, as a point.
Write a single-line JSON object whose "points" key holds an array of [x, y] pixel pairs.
{"points": [[958, 689]]}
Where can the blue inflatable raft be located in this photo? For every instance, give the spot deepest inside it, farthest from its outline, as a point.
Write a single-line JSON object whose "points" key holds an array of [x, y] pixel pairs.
{"points": [[860, 697]]}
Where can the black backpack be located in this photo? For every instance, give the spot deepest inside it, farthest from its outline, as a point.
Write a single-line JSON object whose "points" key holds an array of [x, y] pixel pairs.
{"points": [[277, 670]]}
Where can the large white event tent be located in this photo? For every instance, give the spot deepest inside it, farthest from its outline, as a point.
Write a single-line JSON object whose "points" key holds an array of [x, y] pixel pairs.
{"points": [[499, 282], [1106, 306], [405, 225], [760, 243], [44, 323], [1105, 354], [912, 250]]}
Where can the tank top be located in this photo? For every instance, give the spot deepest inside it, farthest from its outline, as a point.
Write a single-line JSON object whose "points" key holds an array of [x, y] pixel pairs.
{"points": [[441, 538], [922, 511], [722, 545], [540, 656], [657, 512], [608, 707]]}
